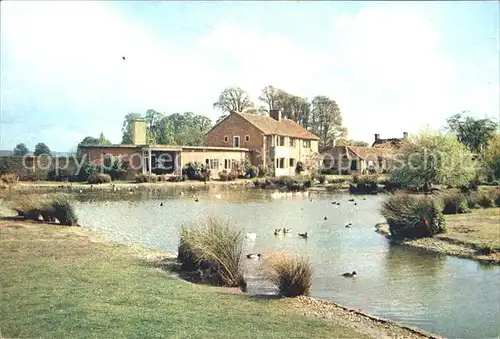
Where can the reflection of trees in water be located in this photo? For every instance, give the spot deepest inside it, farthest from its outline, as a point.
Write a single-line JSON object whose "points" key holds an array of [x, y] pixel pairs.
{"points": [[402, 261]]}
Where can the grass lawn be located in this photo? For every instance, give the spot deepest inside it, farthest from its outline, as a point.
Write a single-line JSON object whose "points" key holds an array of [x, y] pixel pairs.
{"points": [[481, 227], [62, 282]]}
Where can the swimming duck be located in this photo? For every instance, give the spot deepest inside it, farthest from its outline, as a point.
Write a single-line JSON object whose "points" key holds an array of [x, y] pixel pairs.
{"points": [[351, 199], [334, 202], [338, 204], [161, 204], [287, 230], [196, 200], [325, 218], [355, 204], [254, 256], [348, 225], [303, 235], [350, 275]]}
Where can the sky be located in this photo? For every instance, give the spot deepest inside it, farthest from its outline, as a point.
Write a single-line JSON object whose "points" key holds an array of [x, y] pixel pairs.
{"points": [[392, 67]]}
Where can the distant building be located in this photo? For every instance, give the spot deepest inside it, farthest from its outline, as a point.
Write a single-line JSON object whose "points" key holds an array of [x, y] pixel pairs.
{"points": [[273, 141], [357, 160], [391, 142]]}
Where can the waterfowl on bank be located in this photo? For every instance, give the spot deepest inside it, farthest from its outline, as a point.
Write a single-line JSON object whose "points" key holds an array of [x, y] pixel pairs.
{"points": [[303, 235], [254, 256], [287, 230], [276, 231], [350, 275]]}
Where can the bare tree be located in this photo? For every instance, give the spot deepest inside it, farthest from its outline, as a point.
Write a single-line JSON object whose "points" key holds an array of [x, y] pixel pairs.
{"points": [[233, 99]]}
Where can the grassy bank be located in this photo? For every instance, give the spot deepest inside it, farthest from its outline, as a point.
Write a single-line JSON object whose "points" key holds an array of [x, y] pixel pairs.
{"points": [[474, 235], [66, 282]]}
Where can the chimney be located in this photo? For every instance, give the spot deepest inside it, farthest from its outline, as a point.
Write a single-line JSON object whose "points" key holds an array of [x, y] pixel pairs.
{"points": [[377, 136], [139, 132], [275, 114], [405, 135]]}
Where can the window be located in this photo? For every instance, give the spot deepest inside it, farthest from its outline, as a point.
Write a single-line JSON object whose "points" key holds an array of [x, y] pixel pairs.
{"points": [[291, 142], [247, 138], [291, 162], [226, 139], [354, 165], [212, 163], [236, 141], [307, 143], [228, 164], [280, 141], [280, 163]]}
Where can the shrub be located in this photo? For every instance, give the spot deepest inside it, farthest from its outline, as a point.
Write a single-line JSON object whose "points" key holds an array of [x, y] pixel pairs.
{"points": [[99, 178], [251, 172], [9, 178], [176, 178], [455, 203], [299, 168], [484, 200], [366, 184], [145, 177], [227, 176], [495, 195], [185, 253], [321, 178], [411, 216], [114, 167], [49, 208], [196, 171], [292, 275], [216, 246], [264, 171]]}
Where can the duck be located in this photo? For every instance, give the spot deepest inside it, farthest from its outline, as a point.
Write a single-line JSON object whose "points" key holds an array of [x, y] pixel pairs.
{"points": [[303, 235], [254, 256], [334, 202], [161, 204], [348, 225], [364, 198], [196, 200], [325, 218], [355, 204], [181, 194], [287, 230], [338, 203], [350, 275], [351, 199], [277, 231]]}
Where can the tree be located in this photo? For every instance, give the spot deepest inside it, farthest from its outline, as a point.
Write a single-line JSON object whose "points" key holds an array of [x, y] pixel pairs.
{"points": [[95, 141], [473, 133], [492, 158], [233, 99], [153, 125], [274, 98], [41, 148], [127, 127], [326, 120], [298, 109], [433, 158], [21, 150]]}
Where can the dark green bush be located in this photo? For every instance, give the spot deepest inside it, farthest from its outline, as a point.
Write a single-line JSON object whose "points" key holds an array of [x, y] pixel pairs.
{"points": [[99, 178], [196, 171], [411, 216], [145, 177], [227, 176], [251, 172], [364, 185], [321, 178], [455, 203], [484, 200], [264, 171], [299, 168]]}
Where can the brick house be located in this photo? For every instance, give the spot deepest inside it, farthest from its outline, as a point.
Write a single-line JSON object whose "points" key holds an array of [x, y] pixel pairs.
{"points": [[357, 160], [273, 141]]}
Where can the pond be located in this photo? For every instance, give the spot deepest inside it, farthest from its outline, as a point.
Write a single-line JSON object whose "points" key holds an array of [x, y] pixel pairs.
{"points": [[445, 295]]}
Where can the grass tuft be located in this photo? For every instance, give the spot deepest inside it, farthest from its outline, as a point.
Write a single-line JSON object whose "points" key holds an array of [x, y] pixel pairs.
{"points": [[99, 178], [49, 208], [215, 247], [291, 274]]}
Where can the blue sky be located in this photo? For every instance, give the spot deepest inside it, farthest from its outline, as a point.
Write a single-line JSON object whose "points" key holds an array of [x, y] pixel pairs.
{"points": [[391, 67]]}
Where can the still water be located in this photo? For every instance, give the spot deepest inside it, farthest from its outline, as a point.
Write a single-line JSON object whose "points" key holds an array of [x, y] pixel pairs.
{"points": [[456, 298]]}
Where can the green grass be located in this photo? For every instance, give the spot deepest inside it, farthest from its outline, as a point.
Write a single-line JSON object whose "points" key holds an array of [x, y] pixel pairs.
{"points": [[60, 282]]}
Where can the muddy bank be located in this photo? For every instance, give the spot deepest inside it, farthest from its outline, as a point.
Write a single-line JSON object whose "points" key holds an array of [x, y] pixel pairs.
{"points": [[447, 244]]}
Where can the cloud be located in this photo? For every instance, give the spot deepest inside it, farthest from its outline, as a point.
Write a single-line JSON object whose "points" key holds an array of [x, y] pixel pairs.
{"points": [[61, 65]]}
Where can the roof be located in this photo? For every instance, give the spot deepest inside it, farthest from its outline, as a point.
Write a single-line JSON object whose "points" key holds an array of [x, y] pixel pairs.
{"points": [[360, 152], [270, 126], [392, 142], [169, 147]]}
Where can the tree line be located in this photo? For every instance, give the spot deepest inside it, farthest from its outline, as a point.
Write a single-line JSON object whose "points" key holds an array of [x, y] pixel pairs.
{"points": [[40, 149]]}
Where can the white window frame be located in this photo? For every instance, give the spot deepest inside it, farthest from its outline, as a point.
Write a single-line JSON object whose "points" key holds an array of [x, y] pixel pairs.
{"points": [[212, 163], [228, 164], [226, 139]]}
